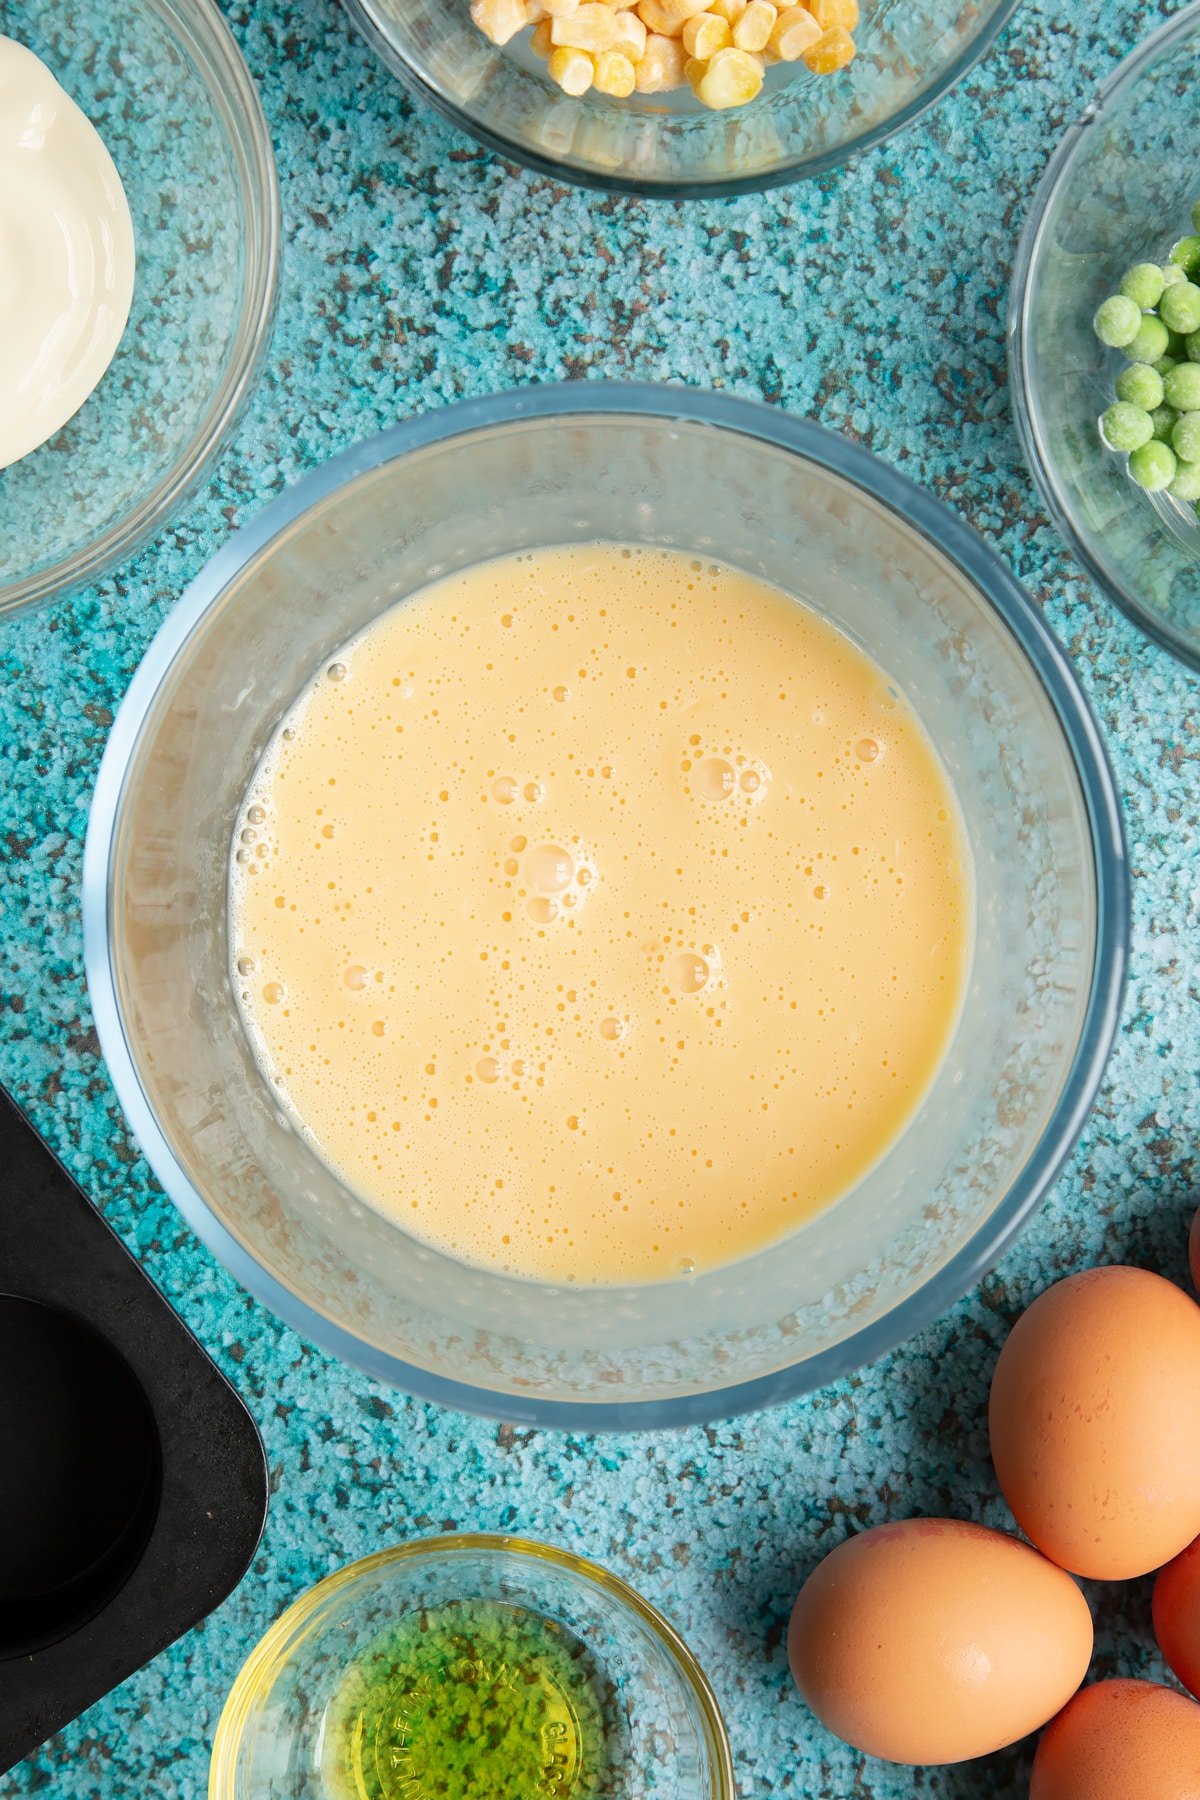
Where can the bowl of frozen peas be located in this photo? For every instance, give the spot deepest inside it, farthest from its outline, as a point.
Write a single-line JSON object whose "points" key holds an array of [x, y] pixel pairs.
{"points": [[1104, 338]]}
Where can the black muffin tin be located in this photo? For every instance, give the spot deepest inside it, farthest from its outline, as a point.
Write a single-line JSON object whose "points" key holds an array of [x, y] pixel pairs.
{"points": [[133, 1487]]}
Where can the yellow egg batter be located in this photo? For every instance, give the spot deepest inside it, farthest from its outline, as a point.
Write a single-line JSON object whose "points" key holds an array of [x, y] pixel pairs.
{"points": [[602, 914]]}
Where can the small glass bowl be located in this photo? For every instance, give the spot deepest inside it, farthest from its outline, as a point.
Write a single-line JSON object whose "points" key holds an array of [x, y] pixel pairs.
{"points": [[282, 1730], [166, 87], [669, 145], [1118, 190]]}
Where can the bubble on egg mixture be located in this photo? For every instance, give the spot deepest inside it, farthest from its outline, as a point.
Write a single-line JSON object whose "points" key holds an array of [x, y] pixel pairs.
{"points": [[549, 869], [716, 779], [543, 967], [689, 972]]}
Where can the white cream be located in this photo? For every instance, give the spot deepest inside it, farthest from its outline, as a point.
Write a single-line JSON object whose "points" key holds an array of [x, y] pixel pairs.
{"points": [[66, 255]]}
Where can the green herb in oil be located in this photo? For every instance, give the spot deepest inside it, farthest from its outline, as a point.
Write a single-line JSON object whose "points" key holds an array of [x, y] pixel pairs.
{"points": [[472, 1700]]}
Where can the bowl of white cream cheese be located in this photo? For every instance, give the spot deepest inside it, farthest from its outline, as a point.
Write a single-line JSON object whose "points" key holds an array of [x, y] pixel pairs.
{"points": [[139, 230]]}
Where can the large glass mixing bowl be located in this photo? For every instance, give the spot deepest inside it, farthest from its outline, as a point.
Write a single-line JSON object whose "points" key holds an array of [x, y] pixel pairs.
{"points": [[1119, 190], [910, 53], [887, 564]]}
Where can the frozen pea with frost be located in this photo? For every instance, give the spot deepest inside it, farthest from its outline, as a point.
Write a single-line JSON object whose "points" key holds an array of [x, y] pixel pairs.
{"points": [[1149, 341], [1164, 365], [1141, 385], [1143, 284], [1185, 483], [1152, 466], [1179, 308], [1172, 274], [1181, 387], [1117, 320], [1125, 427], [1162, 421], [1185, 437]]}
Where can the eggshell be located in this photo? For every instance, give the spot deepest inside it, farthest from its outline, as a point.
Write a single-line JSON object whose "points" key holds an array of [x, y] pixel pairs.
{"points": [[1177, 1616], [1194, 1251], [1121, 1740], [1095, 1422], [934, 1640]]}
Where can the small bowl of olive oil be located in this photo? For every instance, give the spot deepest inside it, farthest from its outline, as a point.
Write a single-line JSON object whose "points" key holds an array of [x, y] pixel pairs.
{"points": [[471, 1668]]}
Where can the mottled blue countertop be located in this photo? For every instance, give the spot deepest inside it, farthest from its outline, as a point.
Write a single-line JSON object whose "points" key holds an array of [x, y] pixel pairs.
{"points": [[417, 269]]}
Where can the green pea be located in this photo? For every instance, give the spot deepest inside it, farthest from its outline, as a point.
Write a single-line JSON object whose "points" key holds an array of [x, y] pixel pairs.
{"points": [[1162, 420], [1143, 284], [1117, 321], [1125, 427], [1186, 254], [1185, 484], [1191, 346], [1148, 342], [1164, 365], [1181, 389], [1179, 308], [1152, 466], [1172, 275], [1142, 386], [1185, 437]]}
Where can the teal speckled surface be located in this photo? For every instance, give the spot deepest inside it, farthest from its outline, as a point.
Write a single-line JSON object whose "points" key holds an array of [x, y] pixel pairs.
{"points": [[418, 269]]}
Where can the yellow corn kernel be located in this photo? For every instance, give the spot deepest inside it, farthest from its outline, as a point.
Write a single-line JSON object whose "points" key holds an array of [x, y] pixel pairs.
{"points": [[668, 17], [657, 22], [614, 74], [729, 10], [753, 30], [830, 13], [661, 65], [694, 72], [559, 9], [732, 78], [795, 32], [589, 27], [832, 50], [541, 43], [705, 34], [572, 69], [631, 34], [535, 12], [682, 10], [499, 20]]}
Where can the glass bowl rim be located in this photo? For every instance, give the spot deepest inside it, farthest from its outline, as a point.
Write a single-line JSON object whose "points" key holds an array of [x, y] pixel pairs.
{"points": [[266, 1658], [954, 539], [1126, 75], [234, 94], [800, 169]]}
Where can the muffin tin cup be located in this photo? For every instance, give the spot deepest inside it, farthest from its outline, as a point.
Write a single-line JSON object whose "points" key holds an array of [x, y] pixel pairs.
{"points": [[134, 1487]]}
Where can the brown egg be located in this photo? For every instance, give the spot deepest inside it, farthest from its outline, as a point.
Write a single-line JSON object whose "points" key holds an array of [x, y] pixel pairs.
{"points": [[1095, 1422], [1176, 1609], [933, 1640], [1121, 1740]]}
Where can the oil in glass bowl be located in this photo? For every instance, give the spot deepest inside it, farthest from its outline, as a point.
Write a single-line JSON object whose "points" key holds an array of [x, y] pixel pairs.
{"points": [[474, 1700]]}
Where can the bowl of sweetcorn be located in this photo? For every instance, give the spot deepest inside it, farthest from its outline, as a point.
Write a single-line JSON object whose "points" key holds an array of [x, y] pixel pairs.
{"points": [[679, 99]]}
